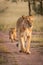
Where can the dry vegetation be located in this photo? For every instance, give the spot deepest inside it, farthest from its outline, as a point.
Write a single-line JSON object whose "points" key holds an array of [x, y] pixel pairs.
{"points": [[9, 16], [9, 13]]}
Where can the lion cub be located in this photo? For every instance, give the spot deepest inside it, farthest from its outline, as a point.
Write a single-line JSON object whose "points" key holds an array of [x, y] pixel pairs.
{"points": [[12, 34]]}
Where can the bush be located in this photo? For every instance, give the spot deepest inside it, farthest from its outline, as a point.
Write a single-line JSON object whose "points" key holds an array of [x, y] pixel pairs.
{"points": [[37, 8]]}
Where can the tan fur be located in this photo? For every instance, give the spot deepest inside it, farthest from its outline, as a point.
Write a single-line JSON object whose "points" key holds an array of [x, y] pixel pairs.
{"points": [[24, 33], [12, 34]]}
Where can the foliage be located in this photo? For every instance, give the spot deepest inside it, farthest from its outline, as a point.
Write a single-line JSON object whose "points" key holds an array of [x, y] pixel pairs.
{"points": [[38, 7]]}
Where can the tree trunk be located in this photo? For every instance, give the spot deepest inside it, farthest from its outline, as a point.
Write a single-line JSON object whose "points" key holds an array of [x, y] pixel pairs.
{"points": [[41, 7], [29, 5]]}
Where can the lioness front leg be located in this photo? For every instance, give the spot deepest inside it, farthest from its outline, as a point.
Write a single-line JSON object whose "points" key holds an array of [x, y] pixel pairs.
{"points": [[22, 42], [28, 44]]}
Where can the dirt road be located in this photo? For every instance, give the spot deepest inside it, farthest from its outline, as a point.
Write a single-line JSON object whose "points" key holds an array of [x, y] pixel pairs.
{"points": [[12, 56]]}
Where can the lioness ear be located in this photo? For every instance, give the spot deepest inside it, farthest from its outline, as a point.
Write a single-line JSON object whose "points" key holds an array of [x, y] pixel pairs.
{"points": [[23, 17], [31, 18]]}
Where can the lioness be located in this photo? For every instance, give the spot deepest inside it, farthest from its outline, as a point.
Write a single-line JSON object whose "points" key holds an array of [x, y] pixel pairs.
{"points": [[24, 32], [12, 34]]}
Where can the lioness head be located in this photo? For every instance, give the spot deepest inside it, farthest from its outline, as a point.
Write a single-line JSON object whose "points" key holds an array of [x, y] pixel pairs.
{"points": [[27, 21], [24, 22]]}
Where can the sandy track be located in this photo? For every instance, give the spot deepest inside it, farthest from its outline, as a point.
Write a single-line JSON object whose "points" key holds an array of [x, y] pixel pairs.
{"points": [[12, 56]]}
